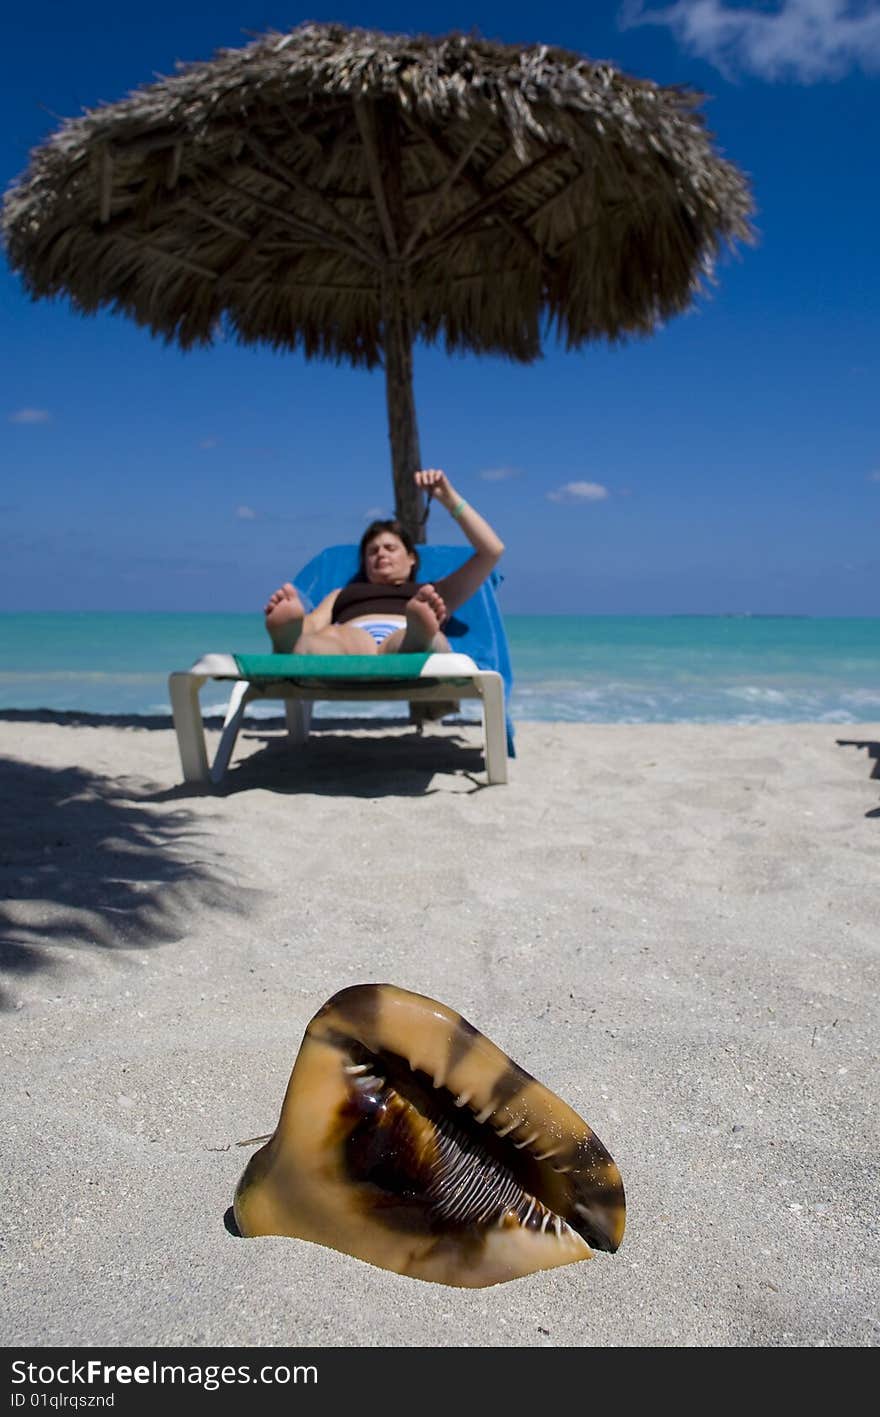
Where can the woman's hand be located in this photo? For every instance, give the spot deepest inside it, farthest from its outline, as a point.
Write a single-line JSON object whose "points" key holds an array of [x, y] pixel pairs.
{"points": [[437, 485]]}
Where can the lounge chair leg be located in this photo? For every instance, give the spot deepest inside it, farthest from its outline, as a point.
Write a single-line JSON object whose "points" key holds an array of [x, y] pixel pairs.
{"points": [[186, 711], [298, 714], [494, 728], [238, 701]]}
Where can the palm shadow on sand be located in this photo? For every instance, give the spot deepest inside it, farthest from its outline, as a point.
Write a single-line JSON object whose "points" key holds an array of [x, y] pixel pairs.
{"points": [[85, 866]]}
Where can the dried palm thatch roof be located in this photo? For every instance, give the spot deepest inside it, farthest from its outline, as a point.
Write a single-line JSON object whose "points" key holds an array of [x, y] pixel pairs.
{"points": [[343, 192]]}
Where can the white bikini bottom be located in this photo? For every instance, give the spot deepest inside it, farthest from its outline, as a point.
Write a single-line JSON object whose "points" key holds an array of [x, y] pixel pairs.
{"points": [[380, 627]]}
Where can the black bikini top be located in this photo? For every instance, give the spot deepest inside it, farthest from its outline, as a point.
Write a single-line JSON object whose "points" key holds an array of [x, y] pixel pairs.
{"points": [[365, 598]]}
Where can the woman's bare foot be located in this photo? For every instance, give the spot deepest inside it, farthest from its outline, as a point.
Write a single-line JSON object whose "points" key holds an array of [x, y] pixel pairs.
{"points": [[425, 614], [284, 618]]}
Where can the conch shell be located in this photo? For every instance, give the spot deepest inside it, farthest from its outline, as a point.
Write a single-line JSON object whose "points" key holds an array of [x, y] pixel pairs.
{"points": [[408, 1139]]}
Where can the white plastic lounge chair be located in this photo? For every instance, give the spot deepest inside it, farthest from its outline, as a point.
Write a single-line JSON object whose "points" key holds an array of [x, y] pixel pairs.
{"points": [[301, 679], [478, 667]]}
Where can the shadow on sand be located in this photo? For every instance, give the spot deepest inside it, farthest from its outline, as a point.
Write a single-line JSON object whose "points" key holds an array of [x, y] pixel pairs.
{"points": [[82, 719], [85, 866], [345, 757], [873, 751]]}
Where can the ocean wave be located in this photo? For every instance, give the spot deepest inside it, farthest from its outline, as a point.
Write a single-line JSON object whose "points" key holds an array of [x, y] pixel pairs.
{"points": [[741, 704]]}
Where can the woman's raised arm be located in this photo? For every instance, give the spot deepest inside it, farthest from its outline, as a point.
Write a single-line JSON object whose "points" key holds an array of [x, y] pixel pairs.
{"points": [[461, 583]]}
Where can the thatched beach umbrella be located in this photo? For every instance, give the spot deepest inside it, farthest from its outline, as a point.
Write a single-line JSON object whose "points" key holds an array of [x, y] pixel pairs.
{"points": [[346, 192]]}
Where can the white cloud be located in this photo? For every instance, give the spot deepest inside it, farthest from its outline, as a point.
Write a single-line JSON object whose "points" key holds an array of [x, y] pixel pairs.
{"points": [[245, 514], [31, 415], [579, 492], [376, 514], [208, 443], [499, 474], [803, 40], [875, 475]]}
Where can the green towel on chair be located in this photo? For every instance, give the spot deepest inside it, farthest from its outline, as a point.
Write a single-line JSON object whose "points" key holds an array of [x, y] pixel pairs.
{"points": [[330, 666]]}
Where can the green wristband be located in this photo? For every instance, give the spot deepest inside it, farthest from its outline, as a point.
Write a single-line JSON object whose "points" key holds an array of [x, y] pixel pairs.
{"points": [[457, 510]]}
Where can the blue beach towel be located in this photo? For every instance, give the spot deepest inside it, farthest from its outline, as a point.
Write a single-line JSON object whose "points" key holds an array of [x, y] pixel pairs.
{"points": [[476, 628]]}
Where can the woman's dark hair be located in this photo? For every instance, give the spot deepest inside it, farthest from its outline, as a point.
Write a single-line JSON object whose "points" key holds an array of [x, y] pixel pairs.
{"points": [[376, 529]]}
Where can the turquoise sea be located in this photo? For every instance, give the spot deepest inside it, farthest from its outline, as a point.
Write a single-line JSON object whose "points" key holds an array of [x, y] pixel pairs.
{"points": [[580, 669]]}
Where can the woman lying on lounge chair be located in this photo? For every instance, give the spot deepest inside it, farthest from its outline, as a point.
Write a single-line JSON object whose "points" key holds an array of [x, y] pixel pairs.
{"points": [[385, 610]]}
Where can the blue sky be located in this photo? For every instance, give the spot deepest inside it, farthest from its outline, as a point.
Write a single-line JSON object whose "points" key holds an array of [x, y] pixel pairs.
{"points": [[731, 463]]}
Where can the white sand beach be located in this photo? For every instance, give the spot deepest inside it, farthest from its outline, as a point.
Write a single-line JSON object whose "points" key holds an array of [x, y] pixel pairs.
{"points": [[675, 928]]}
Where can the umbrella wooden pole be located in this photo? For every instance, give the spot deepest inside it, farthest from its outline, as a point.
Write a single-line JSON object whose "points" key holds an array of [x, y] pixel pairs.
{"points": [[403, 428], [379, 127]]}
